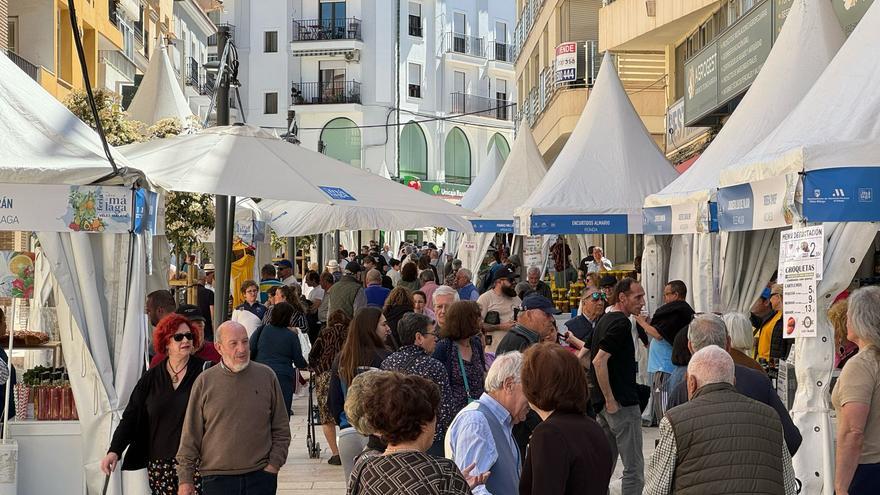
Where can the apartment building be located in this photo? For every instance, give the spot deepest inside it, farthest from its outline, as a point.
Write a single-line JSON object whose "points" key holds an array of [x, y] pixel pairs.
{"points": [[422, 97]]}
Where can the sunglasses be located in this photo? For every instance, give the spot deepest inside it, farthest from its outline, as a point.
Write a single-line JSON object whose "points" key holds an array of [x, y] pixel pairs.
{"points": [[178, 337], [599, 295]]}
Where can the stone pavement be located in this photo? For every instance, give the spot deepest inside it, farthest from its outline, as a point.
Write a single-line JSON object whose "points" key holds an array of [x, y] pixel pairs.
{"points": [[304, 476]]}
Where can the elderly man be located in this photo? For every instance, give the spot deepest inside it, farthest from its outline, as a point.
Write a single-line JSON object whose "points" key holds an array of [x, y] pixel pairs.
{"points": [[348, 293], [592, 308], [708, 329], [599, 263], [533, 276], [418, 337], [496, 307], [535, 323], [443, 297], [467, 291], [374, 292], [237, 444], [719, 441], [613, 374], [481, 433]]}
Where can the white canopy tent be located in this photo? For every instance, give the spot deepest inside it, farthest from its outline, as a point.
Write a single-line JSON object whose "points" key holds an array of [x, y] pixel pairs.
{"points": [[478, 189], [833, 138], [599, 181], [100, 278], [159, 95], [809, 40], [522, 173]]}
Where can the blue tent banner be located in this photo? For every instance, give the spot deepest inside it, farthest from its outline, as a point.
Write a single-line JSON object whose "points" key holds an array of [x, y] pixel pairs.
{"points": [[842, 194], [578, 224], [764, 204], [685, 218], [493, 226]]}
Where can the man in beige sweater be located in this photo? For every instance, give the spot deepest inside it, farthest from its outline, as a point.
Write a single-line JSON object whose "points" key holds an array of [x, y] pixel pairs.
{"points": [[236, 431]]}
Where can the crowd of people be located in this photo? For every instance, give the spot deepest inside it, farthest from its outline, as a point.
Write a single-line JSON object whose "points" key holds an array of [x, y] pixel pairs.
{"points": [[426, 384]]}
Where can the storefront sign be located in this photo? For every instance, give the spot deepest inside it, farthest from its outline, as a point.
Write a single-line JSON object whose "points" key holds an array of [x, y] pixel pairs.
{"points": [[493, 226], [742, 50], [444, 189], [764, 204], [566, 62], [701, 84], [842, 194], [674, 219], [58, 208], [678, 134], [799, 245], [576, 224]]}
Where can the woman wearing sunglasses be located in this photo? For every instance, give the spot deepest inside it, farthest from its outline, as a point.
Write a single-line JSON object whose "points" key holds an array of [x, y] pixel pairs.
{"points": [[153, 420], [592, 308]]}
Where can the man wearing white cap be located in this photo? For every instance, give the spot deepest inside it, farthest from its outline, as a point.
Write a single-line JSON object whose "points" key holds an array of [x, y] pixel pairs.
{"points": [[333, 268]]}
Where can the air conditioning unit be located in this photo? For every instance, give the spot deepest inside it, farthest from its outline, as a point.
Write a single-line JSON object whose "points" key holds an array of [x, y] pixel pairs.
{"points": [[353, 56]]}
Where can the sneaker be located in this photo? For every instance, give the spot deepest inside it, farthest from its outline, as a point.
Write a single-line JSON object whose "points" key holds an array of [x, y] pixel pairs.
{"points": [[334, 461]]}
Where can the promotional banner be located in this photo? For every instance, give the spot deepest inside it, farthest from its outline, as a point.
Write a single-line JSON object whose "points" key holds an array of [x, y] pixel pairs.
{"points": [[566, 62], [764, 204], [493, 226], [799, 301], [675, 219], [59, 208], [842, 194], [798, 245], [576, 224]]}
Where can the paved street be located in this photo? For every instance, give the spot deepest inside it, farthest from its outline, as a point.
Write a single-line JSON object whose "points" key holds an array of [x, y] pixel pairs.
{"points": [[302, 476]]}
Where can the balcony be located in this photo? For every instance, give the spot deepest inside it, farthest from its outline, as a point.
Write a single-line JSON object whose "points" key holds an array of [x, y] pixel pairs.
{"points": [[326, 29], [30, 69], [501, 52], [325, 93], [119, 62], [198, 78], [483, 107], [527, 17], [462, 48], [212, 40]]}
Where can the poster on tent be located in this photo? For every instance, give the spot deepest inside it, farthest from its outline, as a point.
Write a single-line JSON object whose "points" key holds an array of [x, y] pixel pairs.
{"points": [[17, 274], [533, 250], [802, 244], [799, 315], [759, 205], [60, 208]]}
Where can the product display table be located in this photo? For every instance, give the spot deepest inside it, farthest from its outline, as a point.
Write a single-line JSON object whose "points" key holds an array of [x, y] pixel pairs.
{"points": [[49, 457]]}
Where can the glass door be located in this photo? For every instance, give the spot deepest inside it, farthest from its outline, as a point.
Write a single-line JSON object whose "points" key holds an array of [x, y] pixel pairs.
{"points": [[459, 29]]}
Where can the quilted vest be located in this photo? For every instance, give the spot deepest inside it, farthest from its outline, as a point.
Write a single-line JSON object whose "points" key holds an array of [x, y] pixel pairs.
{"points": [[726, 443]]}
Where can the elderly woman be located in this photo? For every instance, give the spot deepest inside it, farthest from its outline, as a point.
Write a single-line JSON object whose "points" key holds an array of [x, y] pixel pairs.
{"points": [[461, 352], [153, 420], [402, 409], [420, 304], [326, 347], [568, 452], [742, 339], [856, 399]]}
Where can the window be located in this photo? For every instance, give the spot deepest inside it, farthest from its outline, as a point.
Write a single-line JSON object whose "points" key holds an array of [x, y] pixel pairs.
{"points": [[12, 34], [415, 80], [413, 152], [415, 19], [459, 32], [501, 46], [341, 139], [459, 98], [270, 104], [270, 42], [333, 25], [501, 143], [331, 81], [501, 99], [457, 158]]}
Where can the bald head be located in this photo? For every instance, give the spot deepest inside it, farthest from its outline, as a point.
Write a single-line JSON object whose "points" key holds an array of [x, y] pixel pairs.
{"points": [[233, 346], [374, 276], [709, 365]]}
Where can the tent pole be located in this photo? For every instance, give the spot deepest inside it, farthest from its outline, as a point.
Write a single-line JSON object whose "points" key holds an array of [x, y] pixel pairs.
{"points": [[222, 231], [11, 329]]}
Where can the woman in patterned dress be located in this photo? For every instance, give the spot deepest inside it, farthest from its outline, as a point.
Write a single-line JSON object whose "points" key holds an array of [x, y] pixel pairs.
{"points": [[153, 419], [326, 347]]}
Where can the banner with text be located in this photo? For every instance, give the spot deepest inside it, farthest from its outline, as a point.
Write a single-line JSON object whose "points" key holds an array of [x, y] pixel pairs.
{"points": [[674, 219], [566, 62], [576, 224], [493, 226], [842, 194], [764, 204]]}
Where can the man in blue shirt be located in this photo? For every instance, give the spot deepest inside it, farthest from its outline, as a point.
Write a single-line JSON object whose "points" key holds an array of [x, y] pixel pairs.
{"points": [[375, 292], [268, 278], [481, 435], [467, 291]]}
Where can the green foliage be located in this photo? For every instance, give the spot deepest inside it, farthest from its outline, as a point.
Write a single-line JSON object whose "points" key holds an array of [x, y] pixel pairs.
{"points": [[188, 216], [118, 128]]}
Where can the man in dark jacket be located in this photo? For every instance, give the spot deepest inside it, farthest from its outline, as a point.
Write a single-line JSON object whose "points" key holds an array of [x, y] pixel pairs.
{"points": [[592, 307], [534, 324], [533, 277], [718, 419], [348, 294], [708, 329]]}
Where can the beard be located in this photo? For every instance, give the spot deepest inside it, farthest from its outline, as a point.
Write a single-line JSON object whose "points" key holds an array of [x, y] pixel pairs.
{"points": [[508, 291]]}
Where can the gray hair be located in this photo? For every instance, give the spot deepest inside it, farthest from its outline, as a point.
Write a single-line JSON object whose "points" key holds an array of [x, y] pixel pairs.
{"points": [[711, 364], [411, 324], [426, 276], [374, 275], [444, 290], [739, 328], [864, 314], [507, 365], [705, 330], [534, 269], [466, 272]]}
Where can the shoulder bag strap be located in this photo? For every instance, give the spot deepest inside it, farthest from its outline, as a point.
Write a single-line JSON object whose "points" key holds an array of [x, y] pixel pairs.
{"points": [[467, 387]]}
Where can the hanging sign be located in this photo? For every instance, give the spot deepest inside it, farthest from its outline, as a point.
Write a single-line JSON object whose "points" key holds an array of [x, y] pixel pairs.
{"points": [[759, 205], [685, 218], [532, 252], [566, 62], [60, 208], [843, 194], [469, 246], [799, 245], [799, 301]]}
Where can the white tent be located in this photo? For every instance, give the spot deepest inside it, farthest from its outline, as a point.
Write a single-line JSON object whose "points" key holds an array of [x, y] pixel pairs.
{"points": [[831, 135], [100, 278], [599, 181], [809, 40], [478, 189], [159, 95], [522, 173], [243, 160]]}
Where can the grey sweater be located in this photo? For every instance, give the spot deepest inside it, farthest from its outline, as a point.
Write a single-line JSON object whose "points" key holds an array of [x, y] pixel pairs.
{"points": [[235, 423]]}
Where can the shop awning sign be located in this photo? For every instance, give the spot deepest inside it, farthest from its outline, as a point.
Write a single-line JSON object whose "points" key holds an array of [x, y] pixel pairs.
{"points": [[759, 205], [62, 208], [847, 194], [493, 226]]}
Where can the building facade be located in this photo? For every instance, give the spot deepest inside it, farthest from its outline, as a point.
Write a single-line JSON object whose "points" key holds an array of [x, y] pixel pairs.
{"points": [[326, 71]]}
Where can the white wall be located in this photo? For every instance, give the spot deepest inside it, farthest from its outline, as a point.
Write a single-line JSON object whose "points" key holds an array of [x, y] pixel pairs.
{"points": [[35, 41]]}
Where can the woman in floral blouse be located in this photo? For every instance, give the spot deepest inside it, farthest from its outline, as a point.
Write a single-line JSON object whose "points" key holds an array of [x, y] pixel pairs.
{"points": [[324, 350]]}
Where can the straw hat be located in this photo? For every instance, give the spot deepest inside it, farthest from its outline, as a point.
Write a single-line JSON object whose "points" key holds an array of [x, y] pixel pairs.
{"points": [[333, 266]]}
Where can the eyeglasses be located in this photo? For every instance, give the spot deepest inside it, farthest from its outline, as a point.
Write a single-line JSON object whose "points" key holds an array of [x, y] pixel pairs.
{"points": [[252, 291], [433, 334], [178, 337], [598, 295]]}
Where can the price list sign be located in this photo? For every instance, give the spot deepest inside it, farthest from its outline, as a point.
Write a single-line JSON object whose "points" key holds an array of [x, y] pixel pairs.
{"points": [[801, 254]]}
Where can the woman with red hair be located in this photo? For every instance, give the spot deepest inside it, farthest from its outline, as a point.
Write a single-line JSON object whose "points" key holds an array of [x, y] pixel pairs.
{"points": [[153, 420]]}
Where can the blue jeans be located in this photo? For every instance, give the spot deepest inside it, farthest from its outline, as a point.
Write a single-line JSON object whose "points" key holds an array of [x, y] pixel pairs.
{"points": [[253, 483], [865, 480]]}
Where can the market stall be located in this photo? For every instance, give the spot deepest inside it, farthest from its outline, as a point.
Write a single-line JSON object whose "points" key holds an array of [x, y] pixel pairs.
{"points": [[837, 166], [477, 191], [681, 211], [159, 95]]}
